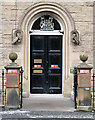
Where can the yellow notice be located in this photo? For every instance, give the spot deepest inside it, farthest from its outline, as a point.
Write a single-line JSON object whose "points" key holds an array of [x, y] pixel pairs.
{"points": [[37, 60], [37, 71]]}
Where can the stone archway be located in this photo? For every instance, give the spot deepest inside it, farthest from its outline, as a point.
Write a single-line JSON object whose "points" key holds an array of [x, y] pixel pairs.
{"points": [[63, 16]]}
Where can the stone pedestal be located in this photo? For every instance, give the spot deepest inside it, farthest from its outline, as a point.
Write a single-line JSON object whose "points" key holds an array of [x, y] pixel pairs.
{"points": [[84, 85], [12, 82]]}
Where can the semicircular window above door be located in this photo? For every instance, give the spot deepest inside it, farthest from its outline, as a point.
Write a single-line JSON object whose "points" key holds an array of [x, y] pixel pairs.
{"points": [[46, 23]]}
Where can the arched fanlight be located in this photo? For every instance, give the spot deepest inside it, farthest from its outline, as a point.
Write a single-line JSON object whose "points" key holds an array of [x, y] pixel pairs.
{"points": [[46, 23]]}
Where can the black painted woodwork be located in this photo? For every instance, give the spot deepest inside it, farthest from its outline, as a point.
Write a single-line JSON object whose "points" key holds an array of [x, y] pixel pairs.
{"points": [[47, 48]]}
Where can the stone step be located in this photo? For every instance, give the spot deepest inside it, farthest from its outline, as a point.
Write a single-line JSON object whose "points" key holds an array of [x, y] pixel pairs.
{"points": [[46, 115], [47, 119]]}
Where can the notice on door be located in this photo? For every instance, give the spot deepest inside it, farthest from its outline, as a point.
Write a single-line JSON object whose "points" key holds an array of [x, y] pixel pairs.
{"points": [[54, 66], [37, 66], [37, 60], [37, 71]]}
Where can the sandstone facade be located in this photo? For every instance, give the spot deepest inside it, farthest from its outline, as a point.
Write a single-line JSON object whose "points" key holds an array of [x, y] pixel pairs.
{"points": [[11, 14]]}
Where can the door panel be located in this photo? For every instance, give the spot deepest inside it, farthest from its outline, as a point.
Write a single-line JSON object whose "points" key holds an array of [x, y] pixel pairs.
{"points": [[38, 83], [54, 84], [38, 44], [38, 59], [54, 59], [54, 43], [46, 64]]}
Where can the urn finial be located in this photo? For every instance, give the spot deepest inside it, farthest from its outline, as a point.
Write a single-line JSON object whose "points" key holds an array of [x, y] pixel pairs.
{"points": [[13, 56], [83, 58]]}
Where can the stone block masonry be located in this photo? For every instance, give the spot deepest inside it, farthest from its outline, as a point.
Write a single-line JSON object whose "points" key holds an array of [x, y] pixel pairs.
{"points": [[11, 13], [81, 12]]}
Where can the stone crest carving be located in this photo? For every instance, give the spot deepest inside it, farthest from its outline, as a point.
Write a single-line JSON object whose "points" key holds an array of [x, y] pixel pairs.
{"points": [[17, 36], [46, 24], [75, 37]]}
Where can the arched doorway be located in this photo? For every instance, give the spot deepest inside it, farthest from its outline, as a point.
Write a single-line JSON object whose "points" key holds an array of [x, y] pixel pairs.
{"points": [[62, 16], [46, 38]]}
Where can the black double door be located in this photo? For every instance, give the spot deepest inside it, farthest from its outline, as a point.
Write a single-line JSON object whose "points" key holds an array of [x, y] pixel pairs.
{"points": [[46, 64]]}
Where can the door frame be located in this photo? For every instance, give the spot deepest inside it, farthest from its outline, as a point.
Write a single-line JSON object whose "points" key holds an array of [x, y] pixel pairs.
{"points": [[55, 32], [27, 19]]}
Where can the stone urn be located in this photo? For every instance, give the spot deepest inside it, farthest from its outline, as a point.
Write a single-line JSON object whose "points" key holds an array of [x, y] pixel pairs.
{"points": [[83, 58], [13, 56]]}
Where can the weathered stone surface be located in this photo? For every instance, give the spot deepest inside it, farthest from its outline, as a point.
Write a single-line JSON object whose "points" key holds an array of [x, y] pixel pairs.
{"points": [[81, 12]]}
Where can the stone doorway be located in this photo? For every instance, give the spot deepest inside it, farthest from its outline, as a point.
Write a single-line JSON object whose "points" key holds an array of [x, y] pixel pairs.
{"points": [[46, 64]]}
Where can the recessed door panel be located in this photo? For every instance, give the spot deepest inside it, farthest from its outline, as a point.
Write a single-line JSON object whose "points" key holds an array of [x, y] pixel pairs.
{"points": [[37, 43], [54, 59], [46, 64], [55, 84], [54, 43], [37, 60], [38, 82]]}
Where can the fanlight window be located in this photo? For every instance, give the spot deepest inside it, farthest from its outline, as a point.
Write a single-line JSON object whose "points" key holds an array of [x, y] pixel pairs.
{"points": [[46, 23]]}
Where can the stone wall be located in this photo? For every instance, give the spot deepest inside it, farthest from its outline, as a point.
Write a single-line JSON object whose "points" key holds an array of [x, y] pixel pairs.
{"points": [[1, 43], [94, 38], [81, 12]]}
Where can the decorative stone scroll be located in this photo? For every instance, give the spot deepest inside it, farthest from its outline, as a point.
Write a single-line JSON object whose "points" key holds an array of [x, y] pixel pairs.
{"points": [[75, 37], [17, 36]]}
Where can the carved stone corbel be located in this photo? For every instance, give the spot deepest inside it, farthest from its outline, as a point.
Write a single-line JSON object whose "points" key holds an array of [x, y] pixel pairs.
{"points": [[17, 36], [75, 37]]}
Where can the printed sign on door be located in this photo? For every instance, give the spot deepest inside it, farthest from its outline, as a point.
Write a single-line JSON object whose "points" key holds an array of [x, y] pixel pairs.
{"points": [[37, 66], [54, 66]]}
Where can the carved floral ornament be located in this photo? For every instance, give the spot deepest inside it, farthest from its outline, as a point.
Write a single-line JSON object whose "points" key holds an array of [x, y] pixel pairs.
{"points": [[75, 37], [17, 36]]}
